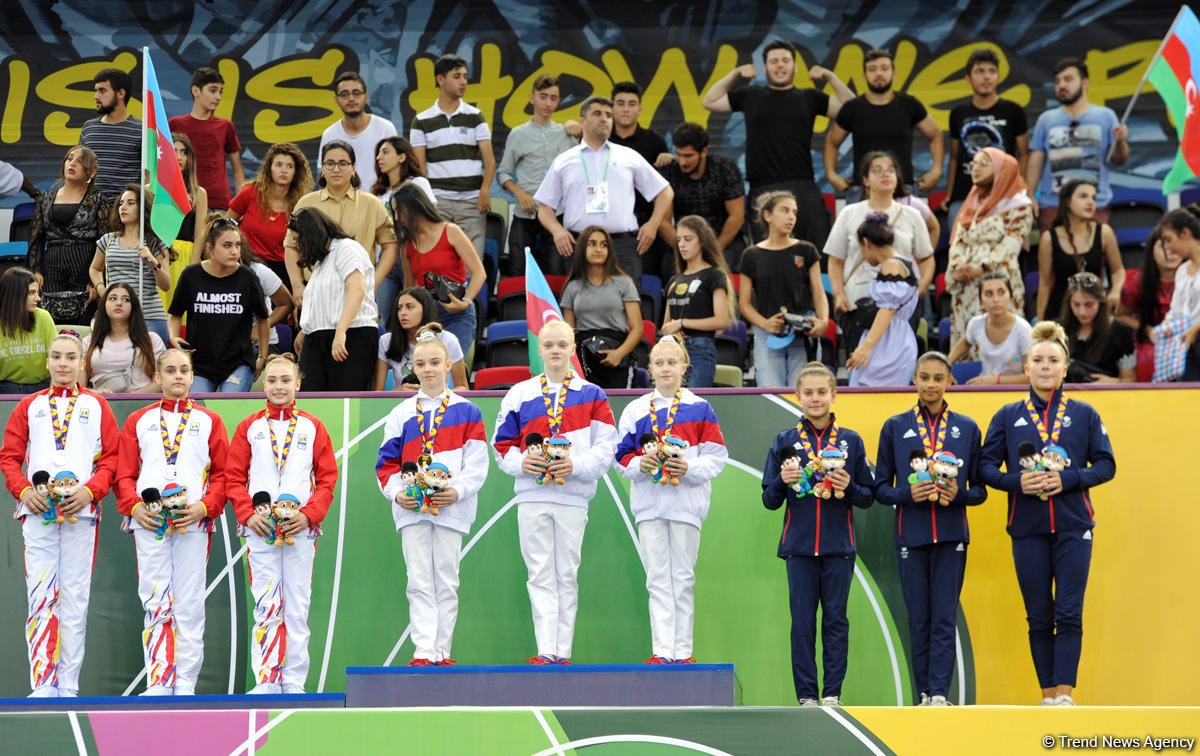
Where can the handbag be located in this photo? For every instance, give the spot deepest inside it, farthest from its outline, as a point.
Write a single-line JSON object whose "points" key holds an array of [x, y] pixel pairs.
{"points": [[116, 381], [442, 287], [1170, 352], [65, 306]]}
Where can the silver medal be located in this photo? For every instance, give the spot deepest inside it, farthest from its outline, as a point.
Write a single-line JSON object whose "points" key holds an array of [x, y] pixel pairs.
{"points": [[172, 472], [60, 458]]}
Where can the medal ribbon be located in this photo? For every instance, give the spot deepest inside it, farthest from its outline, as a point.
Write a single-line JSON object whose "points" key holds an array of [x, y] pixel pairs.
{"points": [[427, 440], [813, 456], [939, 431], [670, 417], [171, 448], [1056, 428], [61, 424], [281, 458], [554, 410]]}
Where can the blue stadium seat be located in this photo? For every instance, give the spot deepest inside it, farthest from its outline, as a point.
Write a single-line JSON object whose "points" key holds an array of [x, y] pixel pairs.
{"points": [[965, 371], [507, 343], [651, 292], [731, 344], [944, 335]]}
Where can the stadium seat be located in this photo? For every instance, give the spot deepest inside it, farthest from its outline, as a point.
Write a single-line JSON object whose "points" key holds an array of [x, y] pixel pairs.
{"points": [[944, 335], [556, 284], [491, 259], [965, 371], [729, 376], [651, 291], [731, 344], [510, 298], [1032, 281], [498, 378], [13, 254], [22, 222], [284, 332], [507, 343]]}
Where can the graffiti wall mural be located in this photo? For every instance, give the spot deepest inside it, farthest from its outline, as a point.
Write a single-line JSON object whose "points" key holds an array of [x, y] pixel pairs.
{"points": [[279, 60]]}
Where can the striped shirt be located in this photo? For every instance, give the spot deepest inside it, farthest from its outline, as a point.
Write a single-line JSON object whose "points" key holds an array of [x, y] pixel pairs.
{"points": [[325, 294], [121, 265], [118, 147], [451, 142]]}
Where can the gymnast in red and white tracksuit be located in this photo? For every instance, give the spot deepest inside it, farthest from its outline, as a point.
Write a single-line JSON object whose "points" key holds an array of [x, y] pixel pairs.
{"points": [[450, 430], [64, 433], [669, 516], [175, 443], [276, 452], [551, 518]]}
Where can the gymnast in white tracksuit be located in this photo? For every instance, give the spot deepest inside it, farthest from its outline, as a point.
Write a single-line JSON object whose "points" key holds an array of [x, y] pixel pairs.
{"points": [[449, 429], [64, 433], [669, 516], [280, 453], [551, 518], [169, 445]]}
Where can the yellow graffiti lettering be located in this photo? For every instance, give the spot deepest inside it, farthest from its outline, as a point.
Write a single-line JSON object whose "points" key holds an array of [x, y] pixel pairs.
{"points": [[265, 87], [673, 72], [555, 63], [942, 83], [232, 74], [490, 88], [1130, 60], [56, 89], [14, 105]]}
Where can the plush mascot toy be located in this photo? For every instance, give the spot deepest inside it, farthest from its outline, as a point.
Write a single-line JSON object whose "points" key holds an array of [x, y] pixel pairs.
{"points": [[41, 484], [286, 507], [945, 469], [1054, 459], [432, 479], [919, 462], [262, 508], [670, 448], [152, 501], [557, 448], [790, 459], [174, 500], [832, 458], [64, 485], [535, 446]]}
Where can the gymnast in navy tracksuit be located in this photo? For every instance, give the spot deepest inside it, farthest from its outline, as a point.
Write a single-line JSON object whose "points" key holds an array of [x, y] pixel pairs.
{"points": [[818, 534], [931, 536], [1050, 515]]}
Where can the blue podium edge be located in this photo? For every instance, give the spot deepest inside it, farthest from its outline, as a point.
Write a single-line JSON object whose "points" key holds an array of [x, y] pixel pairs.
{"points": [[539, 669], [211, 701]]}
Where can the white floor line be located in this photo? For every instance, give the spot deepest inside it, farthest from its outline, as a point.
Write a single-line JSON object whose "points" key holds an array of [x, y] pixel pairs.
{"points": [[962, 672], [554, 745], [887, 636], [341, 540], [624, 515], [233, 623], [248, 745], [677, 742], [77, 732], [837, 717]]}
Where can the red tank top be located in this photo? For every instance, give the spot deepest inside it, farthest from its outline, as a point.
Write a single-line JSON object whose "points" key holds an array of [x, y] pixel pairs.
{"points": [[441, 259]]}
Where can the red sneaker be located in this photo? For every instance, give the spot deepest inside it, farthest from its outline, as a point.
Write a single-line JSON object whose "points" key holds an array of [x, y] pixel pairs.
{"points": [[689, 660], [419, 663], [445, 663], [539, 660], [656, 659], [562, 661]]}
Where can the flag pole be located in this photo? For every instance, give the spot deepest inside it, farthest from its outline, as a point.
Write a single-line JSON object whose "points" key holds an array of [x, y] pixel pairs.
{"points": [[142, 177]]}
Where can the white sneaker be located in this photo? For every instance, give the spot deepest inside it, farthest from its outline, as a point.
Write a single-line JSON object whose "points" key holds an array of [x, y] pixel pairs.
{"points": [[1047, 701], [181, 691], [293, 689], [267, 688], [924, 700], [1063, 700], [830, 701], [68, 693], [808, 703], [939, 701], [158, 690], [44, 691]]}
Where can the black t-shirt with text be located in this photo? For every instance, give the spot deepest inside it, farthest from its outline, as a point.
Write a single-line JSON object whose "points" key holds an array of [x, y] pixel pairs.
{"points": [[973, 129], [882, 127], [690, 295], [780, 277], [219, 313], [779, 130]]}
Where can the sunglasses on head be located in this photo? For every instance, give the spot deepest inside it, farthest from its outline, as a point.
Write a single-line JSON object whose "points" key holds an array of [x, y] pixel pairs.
{"points": [[1083, 280], [225, 223]]}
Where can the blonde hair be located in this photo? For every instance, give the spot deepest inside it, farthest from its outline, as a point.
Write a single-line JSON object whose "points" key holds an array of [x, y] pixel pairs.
{"points": [[430, 335], [557, 323], [162, 358], [75, 340], [287, 359], [818, 369], [669, 341], [1047, 331]]}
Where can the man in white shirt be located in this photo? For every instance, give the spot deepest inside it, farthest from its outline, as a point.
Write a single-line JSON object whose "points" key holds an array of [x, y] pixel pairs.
{"points": [[362, 130], [595, 183]]}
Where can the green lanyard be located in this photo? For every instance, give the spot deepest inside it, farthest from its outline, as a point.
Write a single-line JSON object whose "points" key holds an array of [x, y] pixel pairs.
{"points": [[607, 159]]}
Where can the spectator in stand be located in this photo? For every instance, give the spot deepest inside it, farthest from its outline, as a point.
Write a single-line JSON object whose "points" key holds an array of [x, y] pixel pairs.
{"points": [[397, 165], [1146, 298], [985, 121], [999, 336], [988, 235], [67, 222], [356, 212], [779, 131], [120, 353], [1079, 241], [886, 354], [627, 132], [263, 205], [214, 138], [1075, 141], [699, 298], [415, 309], [882, 119], [26, 331], [602, 304], [189, 232], [361, 130], [707, 185], [1181, 237], [339, 320], [435, 248], [221, 300], [905, 197], [146, 266], [782, 274], [454, 145], [849, 272], [1102, 348], [276, 298], [528, 152], [13, 181], [115, 137]]}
